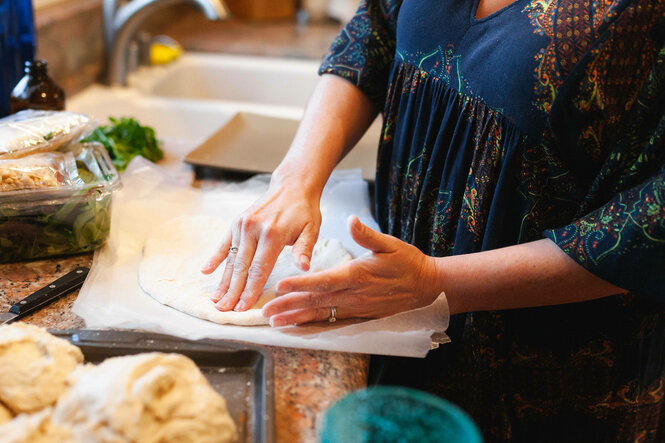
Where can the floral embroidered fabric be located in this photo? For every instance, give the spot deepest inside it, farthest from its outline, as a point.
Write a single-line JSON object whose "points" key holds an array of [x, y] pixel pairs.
{"points": [[544, 119]]}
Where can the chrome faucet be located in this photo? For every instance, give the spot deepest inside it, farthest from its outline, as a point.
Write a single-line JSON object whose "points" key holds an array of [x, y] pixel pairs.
{"points": [[122, 22]]}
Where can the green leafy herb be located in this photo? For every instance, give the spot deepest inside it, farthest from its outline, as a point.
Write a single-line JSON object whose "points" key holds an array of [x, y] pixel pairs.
{"points": [[125, 139]]}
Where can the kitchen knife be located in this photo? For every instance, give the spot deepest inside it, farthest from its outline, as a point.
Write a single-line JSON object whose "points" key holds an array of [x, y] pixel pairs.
{"points": [[44, 296]]}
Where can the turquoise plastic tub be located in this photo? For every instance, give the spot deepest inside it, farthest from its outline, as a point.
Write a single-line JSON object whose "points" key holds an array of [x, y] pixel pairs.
{"points": [[396, 414]]}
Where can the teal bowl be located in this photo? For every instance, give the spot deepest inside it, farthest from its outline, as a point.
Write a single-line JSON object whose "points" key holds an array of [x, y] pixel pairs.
{"points": [[395, 414]]}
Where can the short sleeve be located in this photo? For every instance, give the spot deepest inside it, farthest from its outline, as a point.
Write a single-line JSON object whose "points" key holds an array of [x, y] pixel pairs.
{"points": [[364, 50], [623, 241], [608, 122]]}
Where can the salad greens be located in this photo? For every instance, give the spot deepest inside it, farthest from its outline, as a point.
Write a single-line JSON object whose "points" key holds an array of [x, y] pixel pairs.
{"points": [[60, 221], [79, 224], [125, 139]]}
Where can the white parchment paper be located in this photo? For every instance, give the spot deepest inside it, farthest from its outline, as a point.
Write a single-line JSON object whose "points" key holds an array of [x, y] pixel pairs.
{"points": [[111, 296]]}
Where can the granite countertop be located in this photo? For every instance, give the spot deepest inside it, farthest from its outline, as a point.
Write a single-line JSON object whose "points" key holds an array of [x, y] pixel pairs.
{"points": [[306, 382]]}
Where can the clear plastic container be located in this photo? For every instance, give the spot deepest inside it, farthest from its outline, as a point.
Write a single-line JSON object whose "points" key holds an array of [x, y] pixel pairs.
{"points": [[37, 223]]}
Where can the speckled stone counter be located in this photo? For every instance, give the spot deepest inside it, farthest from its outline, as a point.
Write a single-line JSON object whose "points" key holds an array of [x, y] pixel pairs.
{"points": [[306, 382]]}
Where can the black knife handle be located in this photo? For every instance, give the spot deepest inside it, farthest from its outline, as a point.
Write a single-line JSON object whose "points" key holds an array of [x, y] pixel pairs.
{"points": [[47, 294]]}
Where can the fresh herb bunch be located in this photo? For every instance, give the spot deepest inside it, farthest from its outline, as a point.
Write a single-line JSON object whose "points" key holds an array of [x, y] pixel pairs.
{"points": [[125, 139]]}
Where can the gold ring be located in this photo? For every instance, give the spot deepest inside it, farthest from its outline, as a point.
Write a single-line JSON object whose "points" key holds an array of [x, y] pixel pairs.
{"points": [[333, 313]]}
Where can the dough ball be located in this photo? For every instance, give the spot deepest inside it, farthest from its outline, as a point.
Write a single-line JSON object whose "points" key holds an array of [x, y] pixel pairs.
{"points": [[5, 414], [34, 367], [145, 398], [34, 428]]}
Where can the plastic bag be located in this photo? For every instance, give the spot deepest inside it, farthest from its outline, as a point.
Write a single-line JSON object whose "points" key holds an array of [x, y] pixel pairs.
{"points": [[30, 132], [39, 171]]}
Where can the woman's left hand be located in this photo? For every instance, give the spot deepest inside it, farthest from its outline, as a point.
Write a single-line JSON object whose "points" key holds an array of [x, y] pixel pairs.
{"points": [[393, 277]]}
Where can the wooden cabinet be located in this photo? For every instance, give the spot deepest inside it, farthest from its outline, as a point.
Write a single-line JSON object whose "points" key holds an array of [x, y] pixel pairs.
{"points": [[262, 9]]}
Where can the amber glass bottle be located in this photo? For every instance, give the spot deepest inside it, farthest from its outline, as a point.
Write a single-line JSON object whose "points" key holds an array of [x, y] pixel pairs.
{"points": [[36, 90]]}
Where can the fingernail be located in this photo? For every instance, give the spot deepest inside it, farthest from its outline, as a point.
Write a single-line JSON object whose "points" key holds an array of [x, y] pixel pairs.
{"points": [[276, 322], [304, 262], [239, 307], [282, 287], [266, 312], [222, 304]]}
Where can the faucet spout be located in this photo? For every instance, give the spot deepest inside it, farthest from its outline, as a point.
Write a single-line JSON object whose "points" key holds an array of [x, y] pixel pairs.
{"points": [[122, 24]]}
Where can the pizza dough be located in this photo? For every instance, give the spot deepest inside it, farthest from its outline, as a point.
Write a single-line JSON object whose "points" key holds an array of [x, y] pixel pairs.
{"points": [[34, 366], [145, 398], [34, 428], [176, 251]]}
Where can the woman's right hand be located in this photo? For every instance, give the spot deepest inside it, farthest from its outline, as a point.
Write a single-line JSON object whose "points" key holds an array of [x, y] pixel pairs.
{"points": [[288, 214], [337, 115]]}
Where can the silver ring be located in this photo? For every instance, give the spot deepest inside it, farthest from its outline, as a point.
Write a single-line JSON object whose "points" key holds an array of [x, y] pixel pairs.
{"points": [[333, 313], [233, 250]]}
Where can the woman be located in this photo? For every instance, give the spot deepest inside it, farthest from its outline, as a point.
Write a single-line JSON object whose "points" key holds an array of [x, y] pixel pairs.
{"points": [[521, 171]]}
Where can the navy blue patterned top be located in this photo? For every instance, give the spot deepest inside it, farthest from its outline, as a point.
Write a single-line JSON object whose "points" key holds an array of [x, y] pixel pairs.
{"points": [[544, 119]]}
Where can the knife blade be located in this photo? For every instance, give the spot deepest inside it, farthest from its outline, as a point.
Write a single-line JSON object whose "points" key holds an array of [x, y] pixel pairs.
{"points": [[42, 297]]}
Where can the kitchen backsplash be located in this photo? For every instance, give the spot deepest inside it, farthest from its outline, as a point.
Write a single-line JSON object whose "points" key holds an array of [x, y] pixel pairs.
{"points": [[70, 38]]}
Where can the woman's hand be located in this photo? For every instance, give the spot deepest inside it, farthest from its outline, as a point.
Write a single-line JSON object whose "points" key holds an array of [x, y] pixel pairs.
{"points": [[285, 215], [337, 115], [393, 277]]}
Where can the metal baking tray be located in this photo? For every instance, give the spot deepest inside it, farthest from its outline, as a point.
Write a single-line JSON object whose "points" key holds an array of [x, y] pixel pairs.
{"points": [[242, 373], [253, 143]]}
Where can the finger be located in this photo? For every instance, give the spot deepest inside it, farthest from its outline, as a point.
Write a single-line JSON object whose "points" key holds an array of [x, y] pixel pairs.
{"points": [[302, 300], [230, 259], [330, 280], [303, 316], [241, 263], [220, 255], [226, 278], [369, 238], [264, 261], [303, 247]]}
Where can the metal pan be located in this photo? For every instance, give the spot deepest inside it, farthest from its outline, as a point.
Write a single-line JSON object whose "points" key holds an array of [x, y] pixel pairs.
{"points": [[242, 373]]}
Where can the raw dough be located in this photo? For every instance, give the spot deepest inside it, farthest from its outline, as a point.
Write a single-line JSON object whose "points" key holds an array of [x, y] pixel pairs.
{"points": [[145, 398], [175, 253], [34, 367], [5, 414], [34, 428]]}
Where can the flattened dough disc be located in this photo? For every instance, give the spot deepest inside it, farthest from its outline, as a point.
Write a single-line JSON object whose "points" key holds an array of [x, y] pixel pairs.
{"points": [[174, 254]]}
